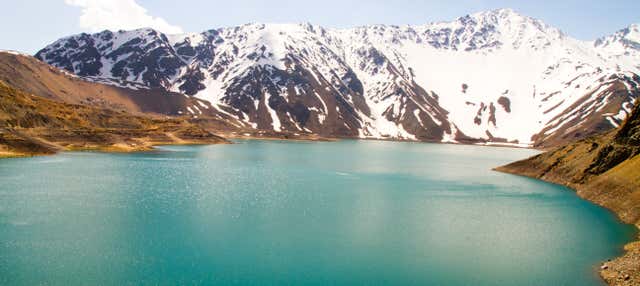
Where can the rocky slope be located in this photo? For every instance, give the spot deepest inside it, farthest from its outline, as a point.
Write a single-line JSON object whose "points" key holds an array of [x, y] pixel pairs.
{"points": [[28, 74], [494, 76], [33, 125], [606, 170]]}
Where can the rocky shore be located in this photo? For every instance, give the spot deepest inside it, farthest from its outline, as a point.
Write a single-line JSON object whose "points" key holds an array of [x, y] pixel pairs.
{"points": [[604, 169]]}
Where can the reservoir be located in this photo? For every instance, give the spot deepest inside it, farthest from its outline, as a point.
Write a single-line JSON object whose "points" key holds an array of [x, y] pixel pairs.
{"points": [[296, 213]]}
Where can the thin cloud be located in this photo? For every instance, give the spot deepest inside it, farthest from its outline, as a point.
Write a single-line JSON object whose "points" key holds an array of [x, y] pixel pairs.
{"points": [[98, 15]]}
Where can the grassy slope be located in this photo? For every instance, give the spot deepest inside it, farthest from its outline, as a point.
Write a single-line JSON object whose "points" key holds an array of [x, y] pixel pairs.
{"points": [[606, 170], [32, 125]]}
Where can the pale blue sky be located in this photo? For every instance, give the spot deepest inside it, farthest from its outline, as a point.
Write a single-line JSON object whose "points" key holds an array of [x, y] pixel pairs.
{"points": [[29, 25]]}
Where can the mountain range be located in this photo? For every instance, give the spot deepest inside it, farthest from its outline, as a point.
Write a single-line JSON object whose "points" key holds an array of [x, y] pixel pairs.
{"points": [[494, 77]]}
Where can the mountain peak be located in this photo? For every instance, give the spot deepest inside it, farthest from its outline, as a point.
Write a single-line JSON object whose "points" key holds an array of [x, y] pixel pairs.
{"points": [[501, 13], [494, 29], [493, 75], [632, 32], [628, 38]]}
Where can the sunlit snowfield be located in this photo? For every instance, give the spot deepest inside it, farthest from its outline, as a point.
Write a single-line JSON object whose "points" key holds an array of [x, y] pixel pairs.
{"points": [[279, 213]]}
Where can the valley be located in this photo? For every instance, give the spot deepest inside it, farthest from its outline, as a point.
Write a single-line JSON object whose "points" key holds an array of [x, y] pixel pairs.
{"points": [[150, 103]]}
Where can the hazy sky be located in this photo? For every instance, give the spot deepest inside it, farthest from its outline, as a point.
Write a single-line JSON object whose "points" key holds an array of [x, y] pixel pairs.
{"points": [[28, 25]]}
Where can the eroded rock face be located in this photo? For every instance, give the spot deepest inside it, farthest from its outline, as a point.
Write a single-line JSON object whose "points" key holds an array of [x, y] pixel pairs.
{"points": [[624, 146], [629, 133], [420, 83], [505, 103]]}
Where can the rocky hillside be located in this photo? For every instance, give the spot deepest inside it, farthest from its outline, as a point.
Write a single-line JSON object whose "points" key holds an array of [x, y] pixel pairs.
{"points": [[494, 76], [32, 125], [28, 74], [606, 170]]}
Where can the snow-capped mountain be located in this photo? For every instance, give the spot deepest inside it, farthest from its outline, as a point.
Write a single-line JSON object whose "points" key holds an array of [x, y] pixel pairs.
{"points": [[493, 76]]}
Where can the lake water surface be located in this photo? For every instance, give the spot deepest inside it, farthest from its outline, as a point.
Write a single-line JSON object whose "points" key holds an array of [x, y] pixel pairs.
{"points": [[296, 213]]}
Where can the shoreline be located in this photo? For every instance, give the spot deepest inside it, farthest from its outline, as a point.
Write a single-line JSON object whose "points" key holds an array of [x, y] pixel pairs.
{"points": [[604, 170], [314, 138], [137, 142], [227, 136], [9, 155], [112, 148], [614, 270]]}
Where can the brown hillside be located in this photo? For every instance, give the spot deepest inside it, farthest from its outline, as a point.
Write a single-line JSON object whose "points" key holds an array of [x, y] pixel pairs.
{"points": [[31, 125], [32, 76], [606, 170]]}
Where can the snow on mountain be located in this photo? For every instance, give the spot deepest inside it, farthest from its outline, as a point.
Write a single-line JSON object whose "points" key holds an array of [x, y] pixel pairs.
{"points": [[623, 47], [489, 77], [14, 53]]}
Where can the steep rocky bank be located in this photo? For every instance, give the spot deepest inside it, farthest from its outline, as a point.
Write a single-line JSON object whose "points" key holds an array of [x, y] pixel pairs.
{"points": [[604, 169]]}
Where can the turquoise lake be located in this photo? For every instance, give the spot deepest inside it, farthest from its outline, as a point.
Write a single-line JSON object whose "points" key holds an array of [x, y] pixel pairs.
{"points": [[296, 213]]}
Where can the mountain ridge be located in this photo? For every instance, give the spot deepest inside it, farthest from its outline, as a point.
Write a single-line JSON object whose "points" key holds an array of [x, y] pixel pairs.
{"points": [[445, 82]]}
